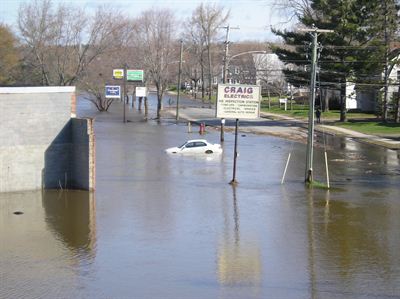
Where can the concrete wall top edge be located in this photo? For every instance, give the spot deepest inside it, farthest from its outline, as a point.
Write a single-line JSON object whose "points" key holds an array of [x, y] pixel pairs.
{"points": [[37, 89]]}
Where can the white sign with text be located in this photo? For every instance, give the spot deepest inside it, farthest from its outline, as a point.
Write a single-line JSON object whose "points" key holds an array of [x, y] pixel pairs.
{"points": [[141, 91], [238, 101]]}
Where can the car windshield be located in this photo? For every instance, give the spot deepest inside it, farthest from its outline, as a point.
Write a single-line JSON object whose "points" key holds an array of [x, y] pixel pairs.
{"points": [[183, 145]]}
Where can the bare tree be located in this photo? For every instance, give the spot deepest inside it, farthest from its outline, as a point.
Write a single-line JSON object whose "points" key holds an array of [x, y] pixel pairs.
{"points": [[292, 9], [156, 30], [205, 20], [195, 66], [9, 56], [242, 67], [97, 76], [94, 93], [63, 41], [269, 70]]}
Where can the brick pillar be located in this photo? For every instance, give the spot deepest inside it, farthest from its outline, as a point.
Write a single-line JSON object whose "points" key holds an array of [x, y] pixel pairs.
{"points": [[92, 154], [73, 105]]}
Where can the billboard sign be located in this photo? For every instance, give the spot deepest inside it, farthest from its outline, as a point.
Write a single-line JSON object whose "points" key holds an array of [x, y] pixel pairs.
{"points": [[238, 101], [134, 75], [141, 91], [118, 73], [113, 91]]}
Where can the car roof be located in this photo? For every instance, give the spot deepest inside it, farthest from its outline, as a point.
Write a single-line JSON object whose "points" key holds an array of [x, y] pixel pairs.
{"points": [[195, 140]]}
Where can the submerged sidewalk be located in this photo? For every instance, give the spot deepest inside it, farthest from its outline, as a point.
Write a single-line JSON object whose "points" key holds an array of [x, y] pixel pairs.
{"points": [[391, 143]]}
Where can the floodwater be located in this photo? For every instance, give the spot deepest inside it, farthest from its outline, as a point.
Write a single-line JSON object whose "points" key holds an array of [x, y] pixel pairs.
{"points": [[162, 226]]}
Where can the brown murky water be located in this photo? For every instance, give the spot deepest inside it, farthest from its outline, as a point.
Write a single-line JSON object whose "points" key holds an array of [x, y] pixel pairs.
{"points": [[161, 226]]}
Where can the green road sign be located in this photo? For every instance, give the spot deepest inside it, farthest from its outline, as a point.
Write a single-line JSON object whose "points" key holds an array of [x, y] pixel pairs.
{"points": [[134, 75]]}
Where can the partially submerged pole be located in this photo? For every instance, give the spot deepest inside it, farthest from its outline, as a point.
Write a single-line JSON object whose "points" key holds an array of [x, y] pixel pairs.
{"points": [[123, 101], [327, 170], [310, 139], [235, 154], [284, 173], [222, 129]]}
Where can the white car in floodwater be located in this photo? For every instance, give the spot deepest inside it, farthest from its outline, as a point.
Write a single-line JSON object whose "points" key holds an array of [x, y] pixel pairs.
{"points": [[195, 146]]}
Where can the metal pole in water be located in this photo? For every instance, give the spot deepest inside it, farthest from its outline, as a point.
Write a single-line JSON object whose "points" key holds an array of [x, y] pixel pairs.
{"points": [[123, 101], [327, 170], [222, 129], [284, 173], [235, 154]]}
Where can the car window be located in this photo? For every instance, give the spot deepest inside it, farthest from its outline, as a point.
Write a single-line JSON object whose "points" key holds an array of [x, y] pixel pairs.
{"points": [[199, 144], [190, 144]]}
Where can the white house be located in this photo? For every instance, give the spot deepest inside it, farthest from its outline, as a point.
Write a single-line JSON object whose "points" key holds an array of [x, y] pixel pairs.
{"points": [[366, 99], [268, 68]]}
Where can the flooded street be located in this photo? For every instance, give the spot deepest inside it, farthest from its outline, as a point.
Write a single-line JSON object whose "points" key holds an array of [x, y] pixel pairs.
{"points": [[166, 226]]}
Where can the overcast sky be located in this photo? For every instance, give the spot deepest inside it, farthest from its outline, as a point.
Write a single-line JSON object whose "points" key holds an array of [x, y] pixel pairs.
{"points": [[253, 17]]}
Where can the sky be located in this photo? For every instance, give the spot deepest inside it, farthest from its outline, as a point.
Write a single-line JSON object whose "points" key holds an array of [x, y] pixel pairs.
{"points": [[253, 17]]}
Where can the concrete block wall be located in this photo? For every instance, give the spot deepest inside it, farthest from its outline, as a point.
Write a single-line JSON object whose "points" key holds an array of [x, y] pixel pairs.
{"points": [[83, 154], [37, 136]]}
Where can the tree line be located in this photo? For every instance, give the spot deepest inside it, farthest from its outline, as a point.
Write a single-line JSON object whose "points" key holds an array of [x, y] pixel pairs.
{"points": [[363, 49], [63, 45]]}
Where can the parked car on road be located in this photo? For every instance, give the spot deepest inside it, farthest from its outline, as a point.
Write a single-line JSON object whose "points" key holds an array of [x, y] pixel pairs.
{"points": [[195, 146]]}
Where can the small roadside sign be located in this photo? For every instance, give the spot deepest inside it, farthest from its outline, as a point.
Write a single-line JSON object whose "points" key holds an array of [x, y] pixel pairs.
{"points": [[118, 73], [141, 91], [113, 91], [134, 75], [238, 101]]}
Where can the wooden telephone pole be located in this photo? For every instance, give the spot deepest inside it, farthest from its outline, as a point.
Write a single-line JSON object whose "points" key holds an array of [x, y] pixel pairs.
{"points": [[225, 72], [310, 140]]}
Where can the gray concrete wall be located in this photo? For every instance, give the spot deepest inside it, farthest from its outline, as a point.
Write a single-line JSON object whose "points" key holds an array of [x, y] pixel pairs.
{"points": [[83, 153], [37, 139]]}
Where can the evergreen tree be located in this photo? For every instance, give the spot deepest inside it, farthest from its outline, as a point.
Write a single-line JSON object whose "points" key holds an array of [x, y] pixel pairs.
{"points": [[350, 54]]}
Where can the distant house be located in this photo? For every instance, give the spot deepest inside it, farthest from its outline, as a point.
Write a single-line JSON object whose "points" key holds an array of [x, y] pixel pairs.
{"points": [[365, 99], [269, 71]]}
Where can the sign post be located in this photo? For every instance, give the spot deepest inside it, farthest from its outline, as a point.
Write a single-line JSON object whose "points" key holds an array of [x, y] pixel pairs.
{"points": [[124, 99], [235, 102]]}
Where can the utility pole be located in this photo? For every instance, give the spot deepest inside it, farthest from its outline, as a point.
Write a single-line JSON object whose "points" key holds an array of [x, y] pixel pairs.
{"points": [[310, 139], [225, 72], [386, 69], [179, 80]]}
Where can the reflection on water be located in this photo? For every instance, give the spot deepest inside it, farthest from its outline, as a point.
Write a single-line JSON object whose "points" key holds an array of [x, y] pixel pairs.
{"points": [[53, 241], [351, 243], [71, 216], [239, 262]]}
